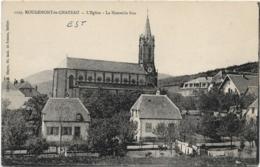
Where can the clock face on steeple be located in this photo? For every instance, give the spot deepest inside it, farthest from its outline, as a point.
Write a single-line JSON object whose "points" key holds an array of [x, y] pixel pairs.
{"points": [[149, 69]]}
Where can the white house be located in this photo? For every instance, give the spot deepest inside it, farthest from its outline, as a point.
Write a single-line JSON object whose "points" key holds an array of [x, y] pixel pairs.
{"points": [[150, 110], [240, 84], [194, 86], [65, 119], [13, 95], [252, 111]]}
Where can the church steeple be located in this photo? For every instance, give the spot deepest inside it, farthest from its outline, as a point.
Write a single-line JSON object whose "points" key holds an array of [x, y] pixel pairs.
{"points": [[146, 45], [146, 53], [147, 31]]}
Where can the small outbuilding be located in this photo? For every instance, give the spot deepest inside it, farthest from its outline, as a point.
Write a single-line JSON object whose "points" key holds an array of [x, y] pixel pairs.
{"points": [[150, 110], [65, 120]]}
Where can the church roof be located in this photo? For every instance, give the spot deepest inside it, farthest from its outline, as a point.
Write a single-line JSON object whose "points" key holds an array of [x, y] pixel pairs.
{"points": [[64, 109], [156, 107], [101, 65]]}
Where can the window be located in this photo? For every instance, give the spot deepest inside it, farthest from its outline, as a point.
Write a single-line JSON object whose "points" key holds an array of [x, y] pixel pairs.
{"points": [[53, 131], [79, 117], [191, 84], [66, 130], [71, 78], [253, 110], [108, 79], [230, 90], [141, 81], [203, 84], [80, 78], [148, 127], [125, 80], [117, 80], [90, 78], [186, 85], [133, 81], [77, 131], [99, 79]]}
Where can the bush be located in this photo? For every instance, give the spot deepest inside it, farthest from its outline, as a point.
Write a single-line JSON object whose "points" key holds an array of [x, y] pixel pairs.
{"points": [[36, 145]]}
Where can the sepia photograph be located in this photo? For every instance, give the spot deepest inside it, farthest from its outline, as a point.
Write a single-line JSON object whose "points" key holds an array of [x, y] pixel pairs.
{"points": [[140, 84]]}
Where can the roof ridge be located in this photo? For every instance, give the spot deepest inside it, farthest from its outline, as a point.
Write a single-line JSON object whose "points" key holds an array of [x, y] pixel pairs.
{"points": [[102, 60]]}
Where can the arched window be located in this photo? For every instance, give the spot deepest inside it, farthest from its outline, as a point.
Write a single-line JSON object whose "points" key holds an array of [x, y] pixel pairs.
{"points": [[80, 78], [108, 79], [150, 54], [71, 78], [125, 80], [90, 78], [116, 80], [133, 81], [141, 81], [99, 79]]}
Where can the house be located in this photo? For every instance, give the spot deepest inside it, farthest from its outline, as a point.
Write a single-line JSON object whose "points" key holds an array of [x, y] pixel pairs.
{"points": [[240, 84], [192, 87], [252, 111], [65, 120], [13, 95], [150, 110], [27, 89]]}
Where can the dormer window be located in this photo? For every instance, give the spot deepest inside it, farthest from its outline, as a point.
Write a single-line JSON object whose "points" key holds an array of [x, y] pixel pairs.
{"points": [[79, 117]]}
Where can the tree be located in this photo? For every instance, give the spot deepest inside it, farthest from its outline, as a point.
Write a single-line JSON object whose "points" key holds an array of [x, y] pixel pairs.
{"points": [[14, 132], [230, 126], [186, 128], [36, 145], [109, 136], [32, 113], [249, 132], [209, 126], [161, 131]]}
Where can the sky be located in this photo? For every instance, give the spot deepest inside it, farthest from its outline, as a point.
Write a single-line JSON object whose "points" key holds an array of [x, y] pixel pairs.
{"points": [[190, 37]]}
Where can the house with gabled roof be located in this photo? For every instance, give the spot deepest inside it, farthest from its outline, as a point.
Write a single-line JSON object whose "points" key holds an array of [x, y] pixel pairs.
{"points": [[252, 111], [65, 119], [150, 110], [240, 84], [27, 89]]}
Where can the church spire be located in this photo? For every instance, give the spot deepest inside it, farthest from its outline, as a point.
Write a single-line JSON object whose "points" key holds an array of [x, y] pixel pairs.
{"points": [[147, 31]]}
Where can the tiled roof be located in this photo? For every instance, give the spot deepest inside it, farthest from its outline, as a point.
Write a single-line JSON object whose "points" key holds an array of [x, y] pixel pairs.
{"points": [[243, 82], [64, 109], [156, 107], [101, 65], [25, 85], [27, 89], [254, 104]]}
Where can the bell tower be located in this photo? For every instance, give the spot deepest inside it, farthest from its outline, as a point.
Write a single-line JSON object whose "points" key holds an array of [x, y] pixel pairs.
{"points": [[146, 53]]}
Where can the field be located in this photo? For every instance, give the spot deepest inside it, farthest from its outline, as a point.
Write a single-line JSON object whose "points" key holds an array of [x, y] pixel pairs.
{"points": [[179, 161]]}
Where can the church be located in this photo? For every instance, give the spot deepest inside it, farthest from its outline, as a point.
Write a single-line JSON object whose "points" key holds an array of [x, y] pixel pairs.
{"points": [[78, 75]]}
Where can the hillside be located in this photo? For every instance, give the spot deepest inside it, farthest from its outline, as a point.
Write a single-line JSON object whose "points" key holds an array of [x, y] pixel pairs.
{"points": [[251, 67], [40, 77]]}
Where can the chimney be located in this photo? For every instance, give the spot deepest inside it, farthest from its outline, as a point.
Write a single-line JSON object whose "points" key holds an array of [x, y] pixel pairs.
{"points": [[36, 87]]}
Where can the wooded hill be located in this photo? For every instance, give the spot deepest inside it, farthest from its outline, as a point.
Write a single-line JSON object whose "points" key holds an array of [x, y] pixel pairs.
{"points": [[250, 67]]}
